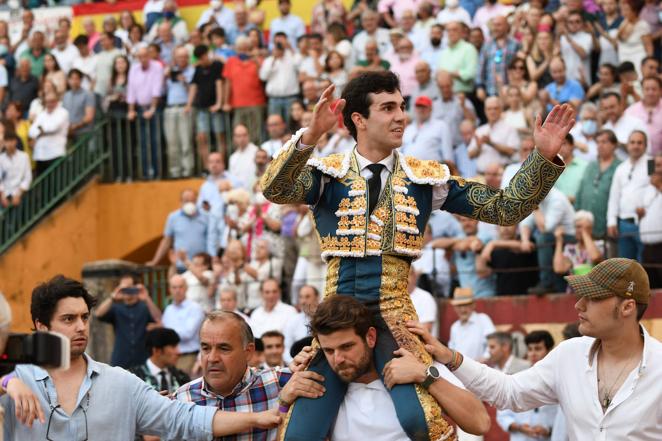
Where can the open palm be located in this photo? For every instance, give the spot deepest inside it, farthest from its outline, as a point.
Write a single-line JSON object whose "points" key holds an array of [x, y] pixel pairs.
{"points": [[549, 135], [325, 116]]}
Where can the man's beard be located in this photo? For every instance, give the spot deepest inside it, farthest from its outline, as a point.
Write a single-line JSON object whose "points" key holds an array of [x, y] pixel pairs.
{"points": [[350, 372]]}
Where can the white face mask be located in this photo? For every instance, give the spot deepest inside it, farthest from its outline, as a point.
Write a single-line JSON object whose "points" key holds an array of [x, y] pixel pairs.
{"points": [[189, 208]]}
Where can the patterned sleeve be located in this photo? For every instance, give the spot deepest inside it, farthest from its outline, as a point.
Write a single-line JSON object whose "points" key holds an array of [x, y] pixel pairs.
{"points": [[288, 179], [509, 206]]}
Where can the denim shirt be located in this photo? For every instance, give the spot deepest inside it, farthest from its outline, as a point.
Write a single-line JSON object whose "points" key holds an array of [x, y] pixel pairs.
{"points": [[112, 405]]}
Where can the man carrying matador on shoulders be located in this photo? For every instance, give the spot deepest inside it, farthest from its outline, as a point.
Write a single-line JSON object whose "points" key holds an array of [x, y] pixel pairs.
{"points": [[371, 206]]}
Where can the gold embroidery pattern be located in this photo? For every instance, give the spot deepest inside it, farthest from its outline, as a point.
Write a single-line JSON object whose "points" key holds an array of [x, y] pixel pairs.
{"points": [[332, 274], [423, 171], [342, 246], [396, 309], [526, 190], [288, 179]]}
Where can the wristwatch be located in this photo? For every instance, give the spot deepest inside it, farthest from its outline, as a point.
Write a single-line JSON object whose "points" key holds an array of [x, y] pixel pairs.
{"points": [[432, 375]]}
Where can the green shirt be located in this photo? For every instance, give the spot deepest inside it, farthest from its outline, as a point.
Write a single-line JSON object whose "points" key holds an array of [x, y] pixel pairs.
{"points": [[461, 58], [383, 63], [36, 63], [593, 194], [568, 182]]}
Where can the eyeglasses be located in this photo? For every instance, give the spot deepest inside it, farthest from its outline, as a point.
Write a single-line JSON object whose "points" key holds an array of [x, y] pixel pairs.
{"points": [[57, 406]]}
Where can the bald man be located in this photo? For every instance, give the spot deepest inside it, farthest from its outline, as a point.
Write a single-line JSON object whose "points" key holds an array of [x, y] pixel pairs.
{"points": [[425, 85], [185, 317], [495, 141]]}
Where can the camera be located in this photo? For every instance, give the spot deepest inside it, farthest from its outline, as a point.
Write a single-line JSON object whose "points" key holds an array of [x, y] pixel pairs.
{"points": [[45, 349], [130, 290]]}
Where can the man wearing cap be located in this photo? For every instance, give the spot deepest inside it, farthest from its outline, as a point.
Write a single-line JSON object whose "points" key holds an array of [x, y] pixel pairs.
{"points": [[427, 138], [469, 332], [607, 382]]}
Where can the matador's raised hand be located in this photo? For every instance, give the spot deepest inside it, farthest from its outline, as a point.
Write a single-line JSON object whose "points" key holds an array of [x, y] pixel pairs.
{"points": [[325, 116], [549, 135]]}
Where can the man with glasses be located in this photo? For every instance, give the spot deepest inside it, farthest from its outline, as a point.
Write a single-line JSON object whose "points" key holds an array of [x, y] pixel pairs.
{"points": [[91, 400], [576, 46], [494, 57]]}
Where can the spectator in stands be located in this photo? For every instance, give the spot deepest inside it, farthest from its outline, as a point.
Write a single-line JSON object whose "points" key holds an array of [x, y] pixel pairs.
{"points": [[500, 348], [80, 104], [630, 178], [263, 266], [553, 212], [576, 45], [23, 87], [231, 273], [454, 13], [49, 131], [425, 85], [313, 56], [334, 71], [298, 327], [242, 160], [424, 304], [242, 27], [403, 63], [433, 267], [14, 115], [103, 63], [229, 383], [244, 93], [21, 31], [370, 31], [614, 119], [273, 314], [186, 229], [64, 52], [607, 82], [54, 74], [469, 332], [85, 62], [459, 59], [578, 258], [649, 211], [431, 54], [132, 312], [527, 145], [325, 13], [372, 61], [287, 23], [649, 111], [227, 301], [166, 43], [593, 194], [512, 266], [493, 175], [634, 35], [206, 96], [185, 316], [534, 424], [159, 370], [178, 26], [494, 57], [109, 27], [217, 13], [177, 118], [465, 164], [199, 280], [36, 52], [15, 172], [496, 141], [276, 130], [427, 138], [563, 89], [279, 72], [274, 349], [569, 181]]}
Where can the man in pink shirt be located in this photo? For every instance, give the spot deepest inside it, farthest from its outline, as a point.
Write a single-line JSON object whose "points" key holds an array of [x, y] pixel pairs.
{"points": [[403, 63], [649, 111]]}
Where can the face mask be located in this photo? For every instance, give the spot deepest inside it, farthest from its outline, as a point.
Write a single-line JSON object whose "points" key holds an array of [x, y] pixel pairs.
{"points": [[243, 57], [168, 15], [435, 41], [189, 208], [589, 127], [452, 4]]}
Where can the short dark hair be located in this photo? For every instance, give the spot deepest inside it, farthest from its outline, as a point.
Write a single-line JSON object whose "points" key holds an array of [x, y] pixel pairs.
{"points": [[81, 40], [649, 58], [609, 134], [504, 338], [298, 345], [75, 71], [357, 94], [611, 68], [538, 337], [625, 67], [606, 95], [200, 50], [340, 312], [571, 330], [259, 345], [656, 79], [283, 34], [206, 258], [274, 333], [46, 296], [159, 338], [218, 32]]}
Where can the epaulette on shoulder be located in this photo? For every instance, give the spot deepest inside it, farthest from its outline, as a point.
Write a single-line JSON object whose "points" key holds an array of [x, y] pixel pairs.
{"points": [[335, 165], [423, 171]]}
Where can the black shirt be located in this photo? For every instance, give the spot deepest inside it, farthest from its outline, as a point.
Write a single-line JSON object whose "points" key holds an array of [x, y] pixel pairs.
{"points": [[205, 79], [24, 91], [512, 280]]}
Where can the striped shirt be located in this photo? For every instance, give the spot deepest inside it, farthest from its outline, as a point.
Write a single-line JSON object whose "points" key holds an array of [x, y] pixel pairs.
{"points": [[256, 392]]}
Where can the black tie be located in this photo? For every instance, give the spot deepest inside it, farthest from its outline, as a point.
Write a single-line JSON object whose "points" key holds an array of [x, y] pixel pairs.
{"points": [[164, 382], [374, 185]]}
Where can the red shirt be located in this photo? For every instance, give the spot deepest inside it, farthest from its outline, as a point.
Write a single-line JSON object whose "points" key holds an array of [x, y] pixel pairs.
{"points": [[247, 89]]}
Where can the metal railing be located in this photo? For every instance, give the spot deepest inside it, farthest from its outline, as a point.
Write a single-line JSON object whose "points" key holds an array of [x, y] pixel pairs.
{"points": [[155, 280], [65, 176]]}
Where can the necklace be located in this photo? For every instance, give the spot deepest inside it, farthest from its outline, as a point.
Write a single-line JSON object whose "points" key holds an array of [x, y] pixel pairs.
{"points": [[607, 394]]}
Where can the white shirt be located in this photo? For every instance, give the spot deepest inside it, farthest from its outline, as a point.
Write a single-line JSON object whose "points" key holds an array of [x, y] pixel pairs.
{"points": [[276, 320], [557, 211], [368, 411], [66, 57], [271, 146], [509, 173], [430, 140], [186, 319], [156, 372], [196, 291], [242, 165], [625, 125], [499, 132], [458, 14], [295, 330], [569, 377], [540, 416], [88, 66], [470, 338], [15, 172], [573, 63], [629, 179], [224, 16], [426, 308], [381, 36], [281, 75], [55, 125], [650, 227]]}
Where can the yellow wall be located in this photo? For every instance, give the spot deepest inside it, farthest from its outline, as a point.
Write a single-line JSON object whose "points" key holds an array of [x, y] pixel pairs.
{"points": [[103, 221]]}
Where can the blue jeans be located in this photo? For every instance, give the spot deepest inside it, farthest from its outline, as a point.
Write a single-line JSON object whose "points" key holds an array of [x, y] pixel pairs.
{"points": [[281, 106], [629, 243]]}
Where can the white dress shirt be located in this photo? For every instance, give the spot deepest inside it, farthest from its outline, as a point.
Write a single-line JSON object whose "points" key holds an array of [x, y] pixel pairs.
{"points": [[185, 318], [368, 411], [15, 172], [650, 226], [499, 132], [568, 376], [557, 211], [197, 292], [576, 67], [470, 338], [540, 416], [53, 142], [156, 372], [66, 57], [281, 75], [624, 127], [429, 140], [274, 320], [295, 330], [242, 165], [426, 308], [629, 180]]}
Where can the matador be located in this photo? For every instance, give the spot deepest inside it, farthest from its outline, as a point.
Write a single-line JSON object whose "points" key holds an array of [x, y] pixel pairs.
{"points": [[371, 206]]}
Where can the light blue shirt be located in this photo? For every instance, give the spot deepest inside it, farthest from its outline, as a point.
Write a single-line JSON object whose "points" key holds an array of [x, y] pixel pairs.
{"points": [[186, 319], [291, 25], [466, 269], [557, 210], [178, 91], [191, 234], [112, 403], [430, 140], [571, 90]]}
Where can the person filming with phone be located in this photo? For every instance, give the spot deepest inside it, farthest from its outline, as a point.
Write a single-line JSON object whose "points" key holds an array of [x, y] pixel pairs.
{"points": [[132, 313]]}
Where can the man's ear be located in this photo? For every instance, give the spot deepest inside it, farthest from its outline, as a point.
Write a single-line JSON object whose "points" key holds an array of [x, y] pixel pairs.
{"points": [[371, 337], [629, 308], [358, 120], [250, 349], [39, 326]]}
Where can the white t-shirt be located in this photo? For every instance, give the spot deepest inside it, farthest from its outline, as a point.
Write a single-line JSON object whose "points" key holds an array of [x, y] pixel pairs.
{"points": [[426, 308], [573, 62], [197, 292], [275, 320], [368, 412]]}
